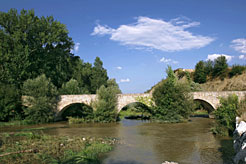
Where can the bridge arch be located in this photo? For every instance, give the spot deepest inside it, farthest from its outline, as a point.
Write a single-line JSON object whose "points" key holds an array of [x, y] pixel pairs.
{"points": [[207, 105], [125, 99], [74, 110]]}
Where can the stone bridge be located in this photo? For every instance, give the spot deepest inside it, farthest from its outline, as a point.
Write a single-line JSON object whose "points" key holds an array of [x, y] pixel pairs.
{"points": [[210, 100]]}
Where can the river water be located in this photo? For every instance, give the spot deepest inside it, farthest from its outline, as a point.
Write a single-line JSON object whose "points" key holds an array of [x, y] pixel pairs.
{"points": [[144, 142]]}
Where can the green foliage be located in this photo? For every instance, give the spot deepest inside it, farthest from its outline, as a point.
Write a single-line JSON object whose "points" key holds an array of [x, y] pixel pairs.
{"points": [[146, 101], [191, 84], [31, 46], [237, 70], [225, 115], [200, 73], [41, 99], [10, 102], [70, 88], [209, 65], [98, 77], [52, 149], [220, 67], [106, 104], [173, 101], [112, 83]]}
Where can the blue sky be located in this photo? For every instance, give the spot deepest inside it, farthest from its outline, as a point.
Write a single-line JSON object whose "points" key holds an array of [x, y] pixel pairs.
{"points": [[137, 39]]}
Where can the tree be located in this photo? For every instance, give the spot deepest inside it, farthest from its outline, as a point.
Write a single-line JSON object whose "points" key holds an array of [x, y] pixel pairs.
{"points": [[237, 70], [209, 67], [10, 102], [99, 76], [200, 73], [70, 88], [31, 46], [106, 104], [41, 97], [112, 83], [172, 99], [220, 67]]}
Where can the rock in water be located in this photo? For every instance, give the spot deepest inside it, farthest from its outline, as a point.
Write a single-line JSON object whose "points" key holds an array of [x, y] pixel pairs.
{"points": [[166, 162], [239, 145]]}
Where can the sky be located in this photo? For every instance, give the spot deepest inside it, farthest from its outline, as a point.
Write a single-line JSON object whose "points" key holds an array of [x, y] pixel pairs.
{"points": [[138, 39]]}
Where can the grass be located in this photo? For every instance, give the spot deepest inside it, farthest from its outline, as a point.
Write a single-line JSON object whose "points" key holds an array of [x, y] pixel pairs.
{"points": [[16, 123], [30, 147], [200, 112], [236, 83], [130, 113]]}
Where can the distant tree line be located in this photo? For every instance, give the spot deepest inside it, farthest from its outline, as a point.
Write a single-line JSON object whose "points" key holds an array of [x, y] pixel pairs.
{"points": [[205, 70], [36, 60]]}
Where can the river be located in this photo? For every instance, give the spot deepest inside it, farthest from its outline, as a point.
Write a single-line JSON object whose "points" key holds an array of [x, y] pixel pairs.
{"points": [[143, 142]]}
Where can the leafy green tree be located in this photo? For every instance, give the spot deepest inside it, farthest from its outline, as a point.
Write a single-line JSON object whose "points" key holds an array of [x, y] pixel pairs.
{"points": [[172, 99], [200, 73], [41, 97], [220, 67], [70, 88], [10, 102], [106, 104], [237, 70], [112, 83], [209, 65], [31, 46], [225, 115], [99, 76]]}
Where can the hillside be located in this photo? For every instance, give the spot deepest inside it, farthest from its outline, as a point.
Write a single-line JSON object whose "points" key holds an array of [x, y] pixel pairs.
{"points": [[236, 83]]}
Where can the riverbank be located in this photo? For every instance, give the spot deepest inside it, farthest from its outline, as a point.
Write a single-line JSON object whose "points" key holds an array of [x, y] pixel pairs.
{"points": [[33, 147]]}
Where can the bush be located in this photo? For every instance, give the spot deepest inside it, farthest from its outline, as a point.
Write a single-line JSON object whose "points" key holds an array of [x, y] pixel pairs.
{"points": [[106, 104], [173, 101], [10, 102], [225, 115], [42, 99], [236, 70]]}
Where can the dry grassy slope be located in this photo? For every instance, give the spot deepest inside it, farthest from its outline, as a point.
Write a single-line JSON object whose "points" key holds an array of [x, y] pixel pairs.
{"points": [[236, 83]]}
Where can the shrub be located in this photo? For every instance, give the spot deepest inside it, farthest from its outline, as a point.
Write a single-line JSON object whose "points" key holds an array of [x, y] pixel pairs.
{"points": [[236, 70], [173, 101], [106, 104], [225, 115], [42, 99]]}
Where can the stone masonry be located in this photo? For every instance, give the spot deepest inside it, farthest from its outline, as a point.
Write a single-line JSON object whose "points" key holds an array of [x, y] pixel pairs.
{"points": [[211, 98]]}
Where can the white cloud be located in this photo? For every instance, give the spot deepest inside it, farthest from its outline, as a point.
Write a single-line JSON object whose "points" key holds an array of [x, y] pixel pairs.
{"points": [[239, 45], [119, 68], [125, 80], [215, 56], [102, 30], [76, 48], [164, 60], [243, 57], [156, 34]]}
